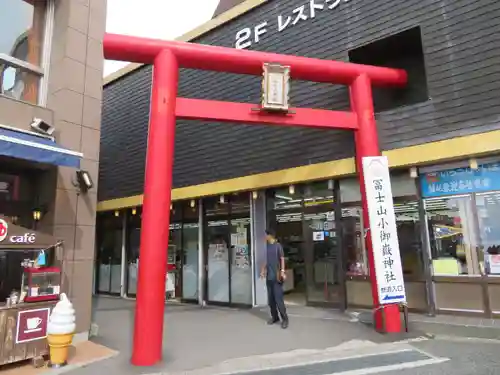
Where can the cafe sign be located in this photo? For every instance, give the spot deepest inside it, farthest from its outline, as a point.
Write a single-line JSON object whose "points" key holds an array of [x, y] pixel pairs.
{"points": [[19, 239], [307, 11]]}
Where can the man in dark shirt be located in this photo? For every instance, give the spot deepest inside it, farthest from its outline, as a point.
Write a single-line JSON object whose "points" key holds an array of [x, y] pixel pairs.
{"points": [[274, 272]]}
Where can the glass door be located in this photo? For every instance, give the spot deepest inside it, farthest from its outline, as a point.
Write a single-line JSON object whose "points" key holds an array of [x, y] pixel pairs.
{"points": [[322, 250], [133, 245], [488, 213], [240, 242], [174, 265], [217, 241], [228, 268], [109, 254], [190, 252]]}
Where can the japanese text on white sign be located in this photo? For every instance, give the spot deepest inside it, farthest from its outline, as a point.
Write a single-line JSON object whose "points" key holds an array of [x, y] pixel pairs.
{"points": [[383, 230]]}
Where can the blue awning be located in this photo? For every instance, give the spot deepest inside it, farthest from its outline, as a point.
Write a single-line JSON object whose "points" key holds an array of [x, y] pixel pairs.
{"points": [[38, 148]]}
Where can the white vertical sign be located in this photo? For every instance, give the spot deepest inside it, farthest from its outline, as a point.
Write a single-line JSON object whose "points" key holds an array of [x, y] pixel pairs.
{"points": [[383, 230]]}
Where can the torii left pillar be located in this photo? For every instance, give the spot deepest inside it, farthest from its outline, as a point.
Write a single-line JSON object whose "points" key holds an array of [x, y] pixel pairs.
{"points": [[162, 121]]}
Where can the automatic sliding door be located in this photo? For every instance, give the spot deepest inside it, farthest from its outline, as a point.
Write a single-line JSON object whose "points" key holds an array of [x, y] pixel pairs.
{"points": [[109, 254], [322, 246]]}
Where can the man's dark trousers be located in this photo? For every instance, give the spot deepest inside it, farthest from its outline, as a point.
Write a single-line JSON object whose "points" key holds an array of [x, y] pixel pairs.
{"points": [[276, 300]]}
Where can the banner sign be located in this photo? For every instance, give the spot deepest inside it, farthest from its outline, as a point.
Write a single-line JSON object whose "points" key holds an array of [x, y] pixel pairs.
{"points": [[461, 181], [383, 230]]}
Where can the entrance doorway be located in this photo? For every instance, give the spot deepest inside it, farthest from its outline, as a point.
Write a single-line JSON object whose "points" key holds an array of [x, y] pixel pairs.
{"points": [[305, 220], [323, 246], [284, 208], [109, 254]]}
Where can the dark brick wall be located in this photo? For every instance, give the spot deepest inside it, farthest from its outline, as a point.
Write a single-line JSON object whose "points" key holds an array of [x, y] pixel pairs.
{"points": [[462, 53]]}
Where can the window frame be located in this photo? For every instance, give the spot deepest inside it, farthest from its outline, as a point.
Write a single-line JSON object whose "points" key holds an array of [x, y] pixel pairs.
{"points": [[42, 71]]}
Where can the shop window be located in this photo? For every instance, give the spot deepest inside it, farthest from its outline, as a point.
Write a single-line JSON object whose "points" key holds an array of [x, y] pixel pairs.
{"points": [[22, 31], [183, 248], [404, 193], [453, 237], [405, 51], [240, 244], [463, 210]]}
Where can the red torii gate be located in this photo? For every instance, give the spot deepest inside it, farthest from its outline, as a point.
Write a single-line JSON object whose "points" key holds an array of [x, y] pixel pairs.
{"points": [[167, 57]]}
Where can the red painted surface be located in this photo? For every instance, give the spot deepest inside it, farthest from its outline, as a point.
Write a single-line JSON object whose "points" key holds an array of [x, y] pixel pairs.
{"points": [[366, 140], [230, 60], [243, 112], [148, 330], [32, 325], [167, 57]]}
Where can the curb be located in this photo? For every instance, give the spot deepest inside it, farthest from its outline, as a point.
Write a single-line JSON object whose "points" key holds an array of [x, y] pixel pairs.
{"points": [[75, 366]]}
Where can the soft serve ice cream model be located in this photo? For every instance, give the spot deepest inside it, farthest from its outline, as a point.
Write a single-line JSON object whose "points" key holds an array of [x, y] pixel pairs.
{"points": [[60, 331]]}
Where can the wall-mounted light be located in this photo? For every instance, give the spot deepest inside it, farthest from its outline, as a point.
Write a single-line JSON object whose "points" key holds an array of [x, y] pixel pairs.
{"points": [[255, 194], [413, 172], [222, 199], [84, 180], [473, 163], [192, 203], [37, 215], [117, 213], [330, 185], [42, 127], [291, 189], [134, 211]]}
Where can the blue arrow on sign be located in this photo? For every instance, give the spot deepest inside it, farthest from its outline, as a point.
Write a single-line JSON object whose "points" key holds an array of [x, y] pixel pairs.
{"points": [[391, 298]]}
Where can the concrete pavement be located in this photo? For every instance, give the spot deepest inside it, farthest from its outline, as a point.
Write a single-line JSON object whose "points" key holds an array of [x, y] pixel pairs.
{"points": [[209, 341], [198, 337]]}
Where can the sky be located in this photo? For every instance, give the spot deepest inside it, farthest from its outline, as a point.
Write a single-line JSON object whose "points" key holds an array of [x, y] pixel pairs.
{"points": [[162, 19]]}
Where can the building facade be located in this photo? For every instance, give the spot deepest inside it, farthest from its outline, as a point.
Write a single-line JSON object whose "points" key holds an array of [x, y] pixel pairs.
{"points": [[440, 134], [51, 68]]}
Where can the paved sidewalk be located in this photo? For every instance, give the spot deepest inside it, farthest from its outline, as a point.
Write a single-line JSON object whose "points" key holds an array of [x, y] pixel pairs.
{"points": [[200, 337], [439, 325]]}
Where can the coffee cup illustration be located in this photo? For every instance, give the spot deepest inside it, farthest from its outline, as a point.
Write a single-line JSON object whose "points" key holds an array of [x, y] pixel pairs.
{"points": [[33, 323]]}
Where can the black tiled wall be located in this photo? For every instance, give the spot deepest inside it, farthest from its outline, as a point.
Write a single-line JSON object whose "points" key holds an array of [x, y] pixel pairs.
{"points": [[461, 43]]}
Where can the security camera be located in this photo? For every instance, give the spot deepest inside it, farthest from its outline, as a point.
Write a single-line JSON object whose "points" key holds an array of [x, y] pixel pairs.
{"points": [[42, 127], [84, 180]]}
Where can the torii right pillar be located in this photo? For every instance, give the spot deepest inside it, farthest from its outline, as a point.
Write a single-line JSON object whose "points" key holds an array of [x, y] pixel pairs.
{"points": [[387, 317]]}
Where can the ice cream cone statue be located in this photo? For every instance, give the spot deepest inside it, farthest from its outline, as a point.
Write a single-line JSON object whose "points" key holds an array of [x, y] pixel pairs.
{"points": [[60, 331]]}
